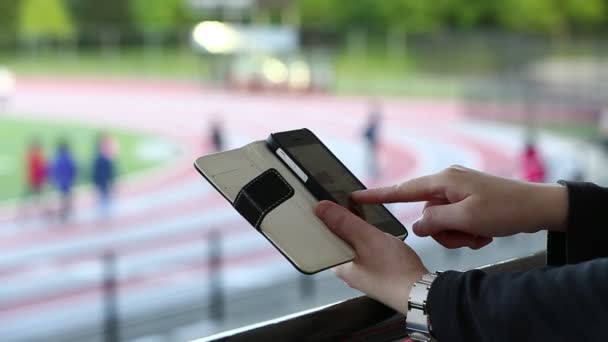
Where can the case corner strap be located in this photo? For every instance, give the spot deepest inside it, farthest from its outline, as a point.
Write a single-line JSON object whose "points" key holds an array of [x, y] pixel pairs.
{"points": [[261, 195]]}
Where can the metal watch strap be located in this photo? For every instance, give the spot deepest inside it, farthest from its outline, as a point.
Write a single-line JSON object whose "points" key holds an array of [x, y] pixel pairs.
{"points": [[417, 319]]}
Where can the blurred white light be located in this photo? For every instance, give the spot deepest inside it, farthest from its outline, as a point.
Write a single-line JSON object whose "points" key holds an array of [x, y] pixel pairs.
{"points": [[7, 82], [275, 71], [299, 75], [216, 37]]}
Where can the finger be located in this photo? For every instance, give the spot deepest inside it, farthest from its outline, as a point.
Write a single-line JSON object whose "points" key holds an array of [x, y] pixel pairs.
{"points": [[440, 218], [415, 190], [345, 224], [347, 273], [435, 202], [455, 239]]}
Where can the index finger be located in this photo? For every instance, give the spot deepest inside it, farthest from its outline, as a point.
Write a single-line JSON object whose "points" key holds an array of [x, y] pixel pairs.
{"points": [[424, 188]]}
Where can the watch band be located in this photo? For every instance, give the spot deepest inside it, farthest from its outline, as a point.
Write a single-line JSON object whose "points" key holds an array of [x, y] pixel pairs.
{"points": [[417, 318]]}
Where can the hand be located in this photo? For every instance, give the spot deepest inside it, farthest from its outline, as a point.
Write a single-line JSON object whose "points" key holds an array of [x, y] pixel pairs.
{"points": [[385, 268], [468, 208]]}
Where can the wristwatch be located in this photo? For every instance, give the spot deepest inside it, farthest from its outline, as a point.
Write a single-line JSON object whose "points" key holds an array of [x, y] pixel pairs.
{"points": [[417, 317]]}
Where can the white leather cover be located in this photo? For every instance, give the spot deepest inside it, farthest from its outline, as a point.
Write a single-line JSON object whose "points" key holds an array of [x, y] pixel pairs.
{"points": [[292, 227]]}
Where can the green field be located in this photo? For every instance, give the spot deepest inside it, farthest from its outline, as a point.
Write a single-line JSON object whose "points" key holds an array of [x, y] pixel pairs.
{"points": [[365, 73], [16, 135]]}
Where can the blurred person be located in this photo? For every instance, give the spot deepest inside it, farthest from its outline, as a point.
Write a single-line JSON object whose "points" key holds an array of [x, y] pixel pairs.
{"points": [[217, 135], [565, 301], [104, 172], [63, 175], [371, 135], [532, 165], [36, 171]]}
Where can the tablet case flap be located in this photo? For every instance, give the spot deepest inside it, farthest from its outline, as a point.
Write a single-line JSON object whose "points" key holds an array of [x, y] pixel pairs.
{"points": [[288, 223]]}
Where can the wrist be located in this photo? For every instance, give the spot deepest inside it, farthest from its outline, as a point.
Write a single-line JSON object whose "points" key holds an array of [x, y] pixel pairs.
{"points": [[551, 206]]}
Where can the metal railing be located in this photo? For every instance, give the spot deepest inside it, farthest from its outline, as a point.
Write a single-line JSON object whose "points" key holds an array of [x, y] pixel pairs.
{"points": [[360, 318]]}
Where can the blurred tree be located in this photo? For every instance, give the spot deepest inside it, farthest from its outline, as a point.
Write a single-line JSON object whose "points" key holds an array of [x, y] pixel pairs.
{"points": [[157, 15], [417, 16], [94, 15], [8, 20], [411, 15], [319, 13], [585, 15], [472, 14], [542, 16], [536, 16], [44, 19]]}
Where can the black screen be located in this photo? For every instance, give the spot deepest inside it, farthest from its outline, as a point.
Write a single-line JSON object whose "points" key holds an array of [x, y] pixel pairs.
{"points": [[340, 183]]}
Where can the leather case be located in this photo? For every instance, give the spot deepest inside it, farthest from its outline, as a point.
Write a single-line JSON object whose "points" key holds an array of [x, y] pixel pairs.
{"points": [[270, 197]]}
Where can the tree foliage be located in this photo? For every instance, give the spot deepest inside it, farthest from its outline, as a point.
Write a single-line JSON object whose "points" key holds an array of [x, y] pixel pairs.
{"points": [[157, 15], [537, 16], [94, 15], [8, 19], [44, 19], [540, 16]]}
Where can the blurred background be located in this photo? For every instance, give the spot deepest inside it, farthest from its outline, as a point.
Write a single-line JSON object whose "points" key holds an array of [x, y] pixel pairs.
{"points": [[108, 233]]}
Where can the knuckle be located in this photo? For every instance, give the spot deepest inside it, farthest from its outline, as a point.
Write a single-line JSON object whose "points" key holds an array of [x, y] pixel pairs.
{"points": [[396, 187], [453, 170], [457, 167]]}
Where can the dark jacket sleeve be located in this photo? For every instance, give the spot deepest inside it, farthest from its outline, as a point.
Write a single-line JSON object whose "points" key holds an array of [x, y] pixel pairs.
{"points": [[587, 234], [553, 303]]}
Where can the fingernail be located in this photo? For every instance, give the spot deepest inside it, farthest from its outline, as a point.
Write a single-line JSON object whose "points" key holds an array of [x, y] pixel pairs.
{"points": [[417, 221], [415, 226]]}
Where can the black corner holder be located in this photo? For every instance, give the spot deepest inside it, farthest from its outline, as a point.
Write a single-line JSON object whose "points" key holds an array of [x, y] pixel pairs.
{"points": [[261, 195]]}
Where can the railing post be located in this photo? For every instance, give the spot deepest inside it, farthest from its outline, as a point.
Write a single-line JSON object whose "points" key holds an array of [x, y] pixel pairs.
{"points": [[216, 288], [111, 331]]}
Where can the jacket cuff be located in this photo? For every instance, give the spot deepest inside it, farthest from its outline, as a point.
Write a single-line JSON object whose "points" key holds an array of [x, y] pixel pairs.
{"points": [[585, 236], [442, 305]]}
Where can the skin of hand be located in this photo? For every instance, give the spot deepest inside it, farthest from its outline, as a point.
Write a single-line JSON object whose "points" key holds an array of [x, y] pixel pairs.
{"points": [[467, 208], [385, 268]]}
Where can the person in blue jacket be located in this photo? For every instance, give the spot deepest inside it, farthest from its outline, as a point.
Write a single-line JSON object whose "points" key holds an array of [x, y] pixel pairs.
{"points": [[104, 172], [371, 136], [63, 176]]}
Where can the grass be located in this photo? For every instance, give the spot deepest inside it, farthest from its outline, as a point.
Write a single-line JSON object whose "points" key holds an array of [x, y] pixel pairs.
{"points": [[17, 134], [358, 73], [375, 73], [582, 131], [169, 63]]}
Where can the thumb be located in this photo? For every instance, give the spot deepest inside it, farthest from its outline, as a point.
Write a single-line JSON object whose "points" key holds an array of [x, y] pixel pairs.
{"points": [[346, 225], [440, 218]]}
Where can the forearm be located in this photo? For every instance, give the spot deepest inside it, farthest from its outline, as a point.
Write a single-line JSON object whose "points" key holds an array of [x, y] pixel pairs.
{"points": [[548, 206], [548, 304]]}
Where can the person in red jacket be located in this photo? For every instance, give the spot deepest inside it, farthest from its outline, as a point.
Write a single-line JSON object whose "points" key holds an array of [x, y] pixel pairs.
{"points": [[36, 174], [533, 167]]}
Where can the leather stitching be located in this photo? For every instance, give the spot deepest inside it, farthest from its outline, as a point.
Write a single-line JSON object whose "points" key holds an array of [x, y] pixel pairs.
{"points": [[274, 204]]}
